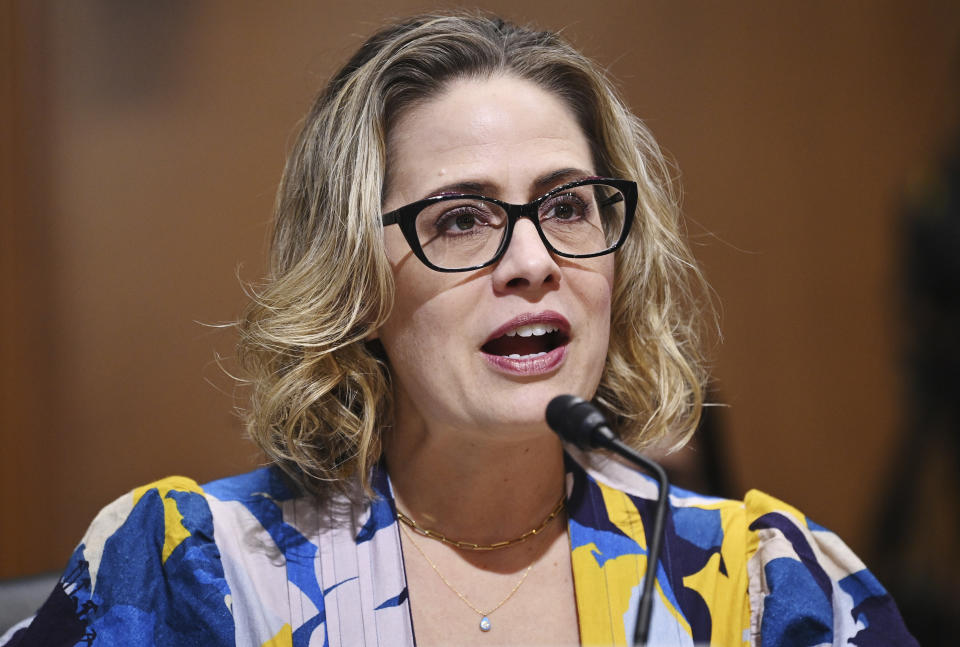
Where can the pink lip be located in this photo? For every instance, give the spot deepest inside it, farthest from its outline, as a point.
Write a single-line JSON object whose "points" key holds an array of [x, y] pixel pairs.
{"points": [[534, 365]]}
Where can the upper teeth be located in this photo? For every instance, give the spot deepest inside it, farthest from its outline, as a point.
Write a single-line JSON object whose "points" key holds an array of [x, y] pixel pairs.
{"points": [[532, 330]]}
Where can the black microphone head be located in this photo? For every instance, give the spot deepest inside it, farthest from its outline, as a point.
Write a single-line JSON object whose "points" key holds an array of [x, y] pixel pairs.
{"points": [[575, 420]]}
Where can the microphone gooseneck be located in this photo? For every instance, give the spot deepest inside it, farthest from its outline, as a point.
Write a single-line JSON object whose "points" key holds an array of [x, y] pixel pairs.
{"points": [[579, 422]]}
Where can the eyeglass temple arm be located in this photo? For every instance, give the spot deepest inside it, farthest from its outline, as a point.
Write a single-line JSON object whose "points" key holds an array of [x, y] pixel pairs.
{"points": [[614, 199]]}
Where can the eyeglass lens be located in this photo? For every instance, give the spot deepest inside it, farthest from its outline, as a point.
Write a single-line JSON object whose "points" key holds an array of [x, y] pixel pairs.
{"points": [[466, 232]]}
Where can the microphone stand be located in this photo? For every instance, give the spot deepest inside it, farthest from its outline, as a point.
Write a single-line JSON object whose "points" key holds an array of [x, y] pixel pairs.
{"points": [[645, 609], [579, 422]]}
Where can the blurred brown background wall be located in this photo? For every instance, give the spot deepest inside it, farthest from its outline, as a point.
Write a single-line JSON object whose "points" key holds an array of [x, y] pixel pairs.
{"points": [[142, 142]]}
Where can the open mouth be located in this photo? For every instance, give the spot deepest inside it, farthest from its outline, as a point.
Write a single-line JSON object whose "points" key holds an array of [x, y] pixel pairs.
{"points": [[527, 341]]}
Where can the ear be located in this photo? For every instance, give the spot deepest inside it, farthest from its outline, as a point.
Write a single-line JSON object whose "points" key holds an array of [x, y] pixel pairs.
{"points": [[374, 334]]}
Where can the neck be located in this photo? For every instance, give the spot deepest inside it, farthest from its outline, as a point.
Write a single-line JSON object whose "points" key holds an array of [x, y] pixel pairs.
{"points": [[475, 488]]}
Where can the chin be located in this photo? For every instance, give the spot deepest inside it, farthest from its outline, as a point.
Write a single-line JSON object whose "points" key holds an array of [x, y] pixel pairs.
{"points": [[525, 411]]}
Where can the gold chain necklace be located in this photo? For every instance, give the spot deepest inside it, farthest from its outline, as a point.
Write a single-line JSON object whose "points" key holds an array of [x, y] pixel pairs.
{"points": [[485, 624], [469, 545]]}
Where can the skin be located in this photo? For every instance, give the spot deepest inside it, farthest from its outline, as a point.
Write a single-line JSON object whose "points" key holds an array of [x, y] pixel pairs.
{"points": [[469, 436]]}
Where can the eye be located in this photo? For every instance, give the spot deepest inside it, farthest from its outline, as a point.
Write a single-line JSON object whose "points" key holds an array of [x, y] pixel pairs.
{"points": [[460, 221], [464, 221], [564, 211], [566, 207]]}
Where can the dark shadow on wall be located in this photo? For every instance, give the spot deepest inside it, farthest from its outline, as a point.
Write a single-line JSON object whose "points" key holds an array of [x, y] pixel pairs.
{"points": [[918, 528], [703, 464]]}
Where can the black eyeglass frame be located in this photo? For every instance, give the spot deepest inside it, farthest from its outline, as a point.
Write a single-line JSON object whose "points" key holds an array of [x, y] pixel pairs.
{"points": [[405, 217]]}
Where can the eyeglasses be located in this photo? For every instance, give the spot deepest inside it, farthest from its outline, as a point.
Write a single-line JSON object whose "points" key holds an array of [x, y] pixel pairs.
{"points": [[459, 233]]}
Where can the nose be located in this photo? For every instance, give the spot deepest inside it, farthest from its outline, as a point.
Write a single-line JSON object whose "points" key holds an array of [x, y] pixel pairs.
{"points": [[527, 265]]}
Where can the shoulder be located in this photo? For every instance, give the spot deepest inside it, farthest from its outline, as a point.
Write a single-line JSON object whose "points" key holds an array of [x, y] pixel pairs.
{"points": [[175, 515], [147, 571], [807, 587], [145, 535], [755, 570]]}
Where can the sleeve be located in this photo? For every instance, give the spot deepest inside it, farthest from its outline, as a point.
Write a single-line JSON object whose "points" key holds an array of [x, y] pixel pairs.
{"points": [[147, 572], [806, 587]]}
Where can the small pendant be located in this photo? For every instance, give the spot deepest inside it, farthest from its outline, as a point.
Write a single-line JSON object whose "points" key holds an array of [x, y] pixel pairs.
{"points": [[484, 623]]}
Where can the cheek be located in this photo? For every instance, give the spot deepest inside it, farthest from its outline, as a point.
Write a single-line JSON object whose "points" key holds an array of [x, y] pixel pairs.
{"points": [[411, 287], [406, 341], [595, 289], [422, 314], [595, 292], [423, 348]]}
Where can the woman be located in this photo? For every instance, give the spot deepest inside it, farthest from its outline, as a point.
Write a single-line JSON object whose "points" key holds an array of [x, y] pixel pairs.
{"points": [[470, 223]]}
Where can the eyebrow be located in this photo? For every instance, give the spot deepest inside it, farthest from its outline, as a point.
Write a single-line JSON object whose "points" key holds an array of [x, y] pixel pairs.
{"points": [[542, 184]]}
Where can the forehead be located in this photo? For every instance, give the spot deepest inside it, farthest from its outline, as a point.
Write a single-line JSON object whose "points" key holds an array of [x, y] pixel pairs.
{"points": [[502, 132]]}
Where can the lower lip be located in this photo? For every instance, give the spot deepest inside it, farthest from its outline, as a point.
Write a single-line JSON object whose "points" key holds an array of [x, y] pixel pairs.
{"points": [[528, 366]]}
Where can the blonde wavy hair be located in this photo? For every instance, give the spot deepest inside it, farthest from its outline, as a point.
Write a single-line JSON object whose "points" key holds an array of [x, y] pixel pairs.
{"points": [[321, 393]]}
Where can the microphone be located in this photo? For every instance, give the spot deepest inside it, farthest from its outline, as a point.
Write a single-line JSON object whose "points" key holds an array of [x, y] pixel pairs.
{"points": [[580, 423]]}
